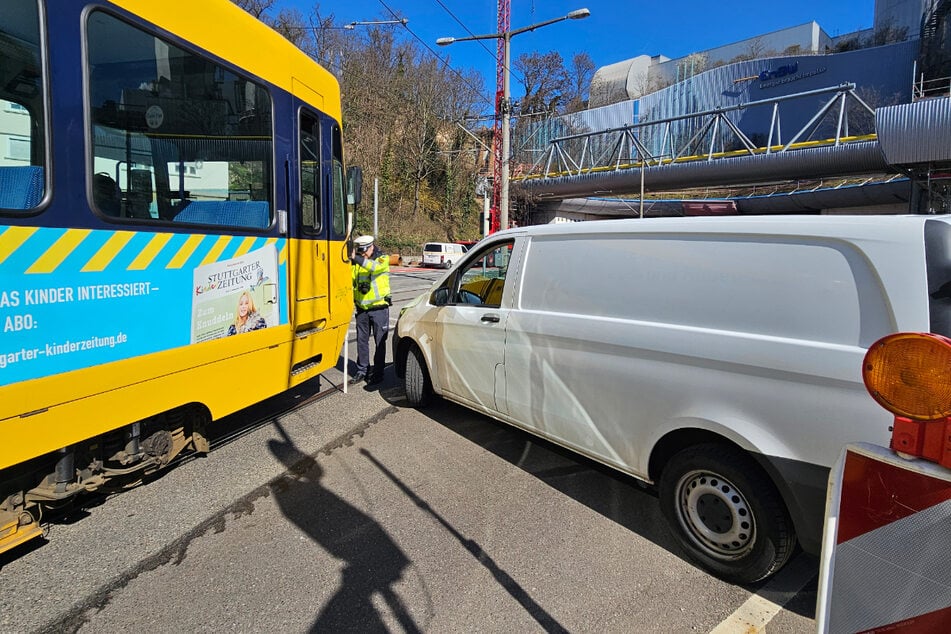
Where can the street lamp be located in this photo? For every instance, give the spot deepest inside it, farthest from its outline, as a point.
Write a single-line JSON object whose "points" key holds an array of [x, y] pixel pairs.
{"points": [[351, 26], [506, 105], [319, 30]]}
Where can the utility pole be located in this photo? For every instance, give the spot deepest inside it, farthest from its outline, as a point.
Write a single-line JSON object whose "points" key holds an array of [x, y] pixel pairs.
{"points": [[499, 212]]}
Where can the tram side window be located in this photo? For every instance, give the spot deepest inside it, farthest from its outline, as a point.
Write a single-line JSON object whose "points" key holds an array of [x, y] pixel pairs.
{"points": [[180, 138], [22, 116], [310, 173], [339, 186]]}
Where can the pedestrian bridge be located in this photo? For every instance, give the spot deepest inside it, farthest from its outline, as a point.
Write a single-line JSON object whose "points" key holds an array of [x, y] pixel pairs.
{"points": [[907, 139]]}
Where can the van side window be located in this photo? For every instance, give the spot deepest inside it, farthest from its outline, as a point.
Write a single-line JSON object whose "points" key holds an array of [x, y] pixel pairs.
{"points": [[482, 282]]}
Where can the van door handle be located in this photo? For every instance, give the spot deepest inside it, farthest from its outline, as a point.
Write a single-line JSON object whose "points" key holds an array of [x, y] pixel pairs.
{"points": [[490, 317]]}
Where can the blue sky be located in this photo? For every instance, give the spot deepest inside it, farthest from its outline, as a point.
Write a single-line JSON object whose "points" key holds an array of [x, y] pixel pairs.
{"points": [[615, 31]]}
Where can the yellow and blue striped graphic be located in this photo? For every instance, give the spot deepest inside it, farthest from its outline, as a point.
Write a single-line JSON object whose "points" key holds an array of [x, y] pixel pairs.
{"points": [[72, 298]]}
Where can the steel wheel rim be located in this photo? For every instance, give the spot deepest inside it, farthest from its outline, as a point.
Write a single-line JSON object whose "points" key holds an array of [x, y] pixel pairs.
{"points": [[715, 515]]}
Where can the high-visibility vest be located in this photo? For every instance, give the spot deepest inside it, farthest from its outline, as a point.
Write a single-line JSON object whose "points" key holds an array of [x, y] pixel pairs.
{"points": [[376, 273]]}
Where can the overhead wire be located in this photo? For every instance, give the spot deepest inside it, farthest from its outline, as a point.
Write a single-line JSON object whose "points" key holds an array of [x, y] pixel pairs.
{"points": [[489, 100], [466, 29], [445, 62]]}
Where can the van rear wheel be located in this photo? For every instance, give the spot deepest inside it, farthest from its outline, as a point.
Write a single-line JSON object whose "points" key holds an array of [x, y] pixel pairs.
{"points": [[726, 513], [416, 382]]}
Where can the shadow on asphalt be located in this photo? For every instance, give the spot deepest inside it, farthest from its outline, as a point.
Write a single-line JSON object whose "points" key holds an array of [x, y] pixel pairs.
{"points": [[616, 496], [373, 563]]}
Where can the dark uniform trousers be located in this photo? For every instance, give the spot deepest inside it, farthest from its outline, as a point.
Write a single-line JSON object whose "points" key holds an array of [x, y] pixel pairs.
{"points": [[376, 322]]}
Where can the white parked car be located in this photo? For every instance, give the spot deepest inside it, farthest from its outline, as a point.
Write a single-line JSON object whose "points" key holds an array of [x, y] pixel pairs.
{"points": [[442, 254], [718, 358]]}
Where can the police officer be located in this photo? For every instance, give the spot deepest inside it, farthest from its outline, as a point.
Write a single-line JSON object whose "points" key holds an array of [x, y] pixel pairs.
{"points": [[370, 268]]}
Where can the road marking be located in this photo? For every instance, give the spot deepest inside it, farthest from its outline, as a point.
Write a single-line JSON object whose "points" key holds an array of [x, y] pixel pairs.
{"points": [[759, 610]]}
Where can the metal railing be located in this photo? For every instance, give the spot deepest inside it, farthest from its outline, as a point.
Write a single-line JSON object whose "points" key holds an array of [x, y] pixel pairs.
{"points": [[624, 147], [923, 89]]}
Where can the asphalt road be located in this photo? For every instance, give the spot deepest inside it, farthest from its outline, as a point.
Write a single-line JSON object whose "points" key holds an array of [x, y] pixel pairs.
{"points": [[355, 512]]}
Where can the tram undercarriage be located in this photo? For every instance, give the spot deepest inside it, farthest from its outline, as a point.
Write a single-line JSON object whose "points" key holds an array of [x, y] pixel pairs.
{"points": [[105, 464]]}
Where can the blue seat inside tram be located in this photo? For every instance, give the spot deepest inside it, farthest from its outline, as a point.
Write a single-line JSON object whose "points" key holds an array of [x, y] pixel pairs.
{"points": [[253, 214], [21, 186]]}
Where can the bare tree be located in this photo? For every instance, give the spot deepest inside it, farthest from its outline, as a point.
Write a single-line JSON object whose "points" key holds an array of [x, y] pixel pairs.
{"points": [[291, 24], [693, 64], [887, 33], [756, 48], [401, 110], [579, 81], [257, 8], [645, 84], [545, 80]]}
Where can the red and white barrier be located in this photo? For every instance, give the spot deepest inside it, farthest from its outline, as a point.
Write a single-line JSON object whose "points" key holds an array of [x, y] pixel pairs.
{"points": [[886, 552]]}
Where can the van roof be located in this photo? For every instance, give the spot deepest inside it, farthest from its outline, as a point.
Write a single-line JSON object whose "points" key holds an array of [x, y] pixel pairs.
{"points": [[829, 226]]}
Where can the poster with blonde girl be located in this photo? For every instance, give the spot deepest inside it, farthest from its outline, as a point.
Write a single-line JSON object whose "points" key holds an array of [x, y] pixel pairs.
{"points": [[247, 317], [235, 296]]}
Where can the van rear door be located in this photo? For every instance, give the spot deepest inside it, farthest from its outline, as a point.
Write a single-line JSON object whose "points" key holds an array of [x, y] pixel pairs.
{"points": [[432, 254]]}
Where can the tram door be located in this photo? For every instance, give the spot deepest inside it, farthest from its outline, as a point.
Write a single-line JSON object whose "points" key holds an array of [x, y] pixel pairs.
{"points": [[321, 261], [313, 246]]}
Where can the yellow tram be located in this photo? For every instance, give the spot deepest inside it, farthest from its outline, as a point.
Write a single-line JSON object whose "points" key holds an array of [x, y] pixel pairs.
{"points": [[173, 236]]}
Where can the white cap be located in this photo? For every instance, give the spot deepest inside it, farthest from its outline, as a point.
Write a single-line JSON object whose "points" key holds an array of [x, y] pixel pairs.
{"points": [[363, 242]]}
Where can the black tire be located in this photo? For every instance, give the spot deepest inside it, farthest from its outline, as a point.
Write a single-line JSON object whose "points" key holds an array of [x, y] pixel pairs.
{"points": [[725, 513], [416, 383]]}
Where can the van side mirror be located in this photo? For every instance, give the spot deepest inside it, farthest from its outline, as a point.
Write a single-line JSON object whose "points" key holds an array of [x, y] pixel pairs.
{"points": [[440, 296], [354, 185]]}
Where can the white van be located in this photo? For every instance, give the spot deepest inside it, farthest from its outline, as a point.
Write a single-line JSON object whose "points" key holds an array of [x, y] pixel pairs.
{"points": [[718, 358], [442, 254]]}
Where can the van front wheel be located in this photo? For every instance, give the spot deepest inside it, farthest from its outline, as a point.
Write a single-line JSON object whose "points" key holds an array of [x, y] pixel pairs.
{"points": [[416, 382], [725, 513]]}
